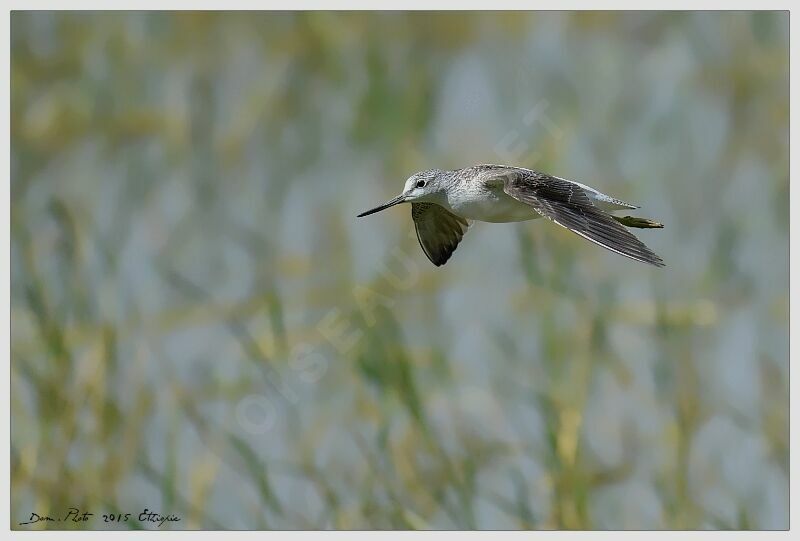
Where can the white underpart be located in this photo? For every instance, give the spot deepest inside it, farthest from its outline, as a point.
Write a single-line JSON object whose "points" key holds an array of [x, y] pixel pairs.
{"points": [[477, 202]]}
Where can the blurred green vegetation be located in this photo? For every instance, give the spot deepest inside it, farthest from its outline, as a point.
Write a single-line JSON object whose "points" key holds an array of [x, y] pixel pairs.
{"points": [[201, 326]]}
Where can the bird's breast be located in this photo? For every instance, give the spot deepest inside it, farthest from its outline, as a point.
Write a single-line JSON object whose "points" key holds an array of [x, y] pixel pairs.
{"points": [[490, 206]]}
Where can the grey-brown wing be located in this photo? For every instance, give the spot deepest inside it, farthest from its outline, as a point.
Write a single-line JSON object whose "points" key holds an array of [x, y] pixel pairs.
{"points": [[438, 231], [569, 206]]}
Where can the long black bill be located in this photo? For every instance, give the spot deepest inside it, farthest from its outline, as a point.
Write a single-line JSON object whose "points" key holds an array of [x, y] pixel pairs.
{"points": [[399, 199]]}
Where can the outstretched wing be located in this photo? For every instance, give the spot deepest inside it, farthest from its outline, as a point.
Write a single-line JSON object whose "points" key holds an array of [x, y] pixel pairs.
{"points": [[438, 231], [568, 205]]}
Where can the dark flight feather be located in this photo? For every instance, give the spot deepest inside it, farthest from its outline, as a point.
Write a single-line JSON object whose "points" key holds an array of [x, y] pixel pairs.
{"points": [[438, 231], [569, 206]]}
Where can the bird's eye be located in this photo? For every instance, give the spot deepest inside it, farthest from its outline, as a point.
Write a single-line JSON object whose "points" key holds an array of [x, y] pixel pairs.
{"points": [[420, 184]]}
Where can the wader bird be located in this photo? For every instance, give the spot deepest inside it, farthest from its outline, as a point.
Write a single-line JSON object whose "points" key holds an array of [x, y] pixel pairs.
{"points": [[442, 202]]}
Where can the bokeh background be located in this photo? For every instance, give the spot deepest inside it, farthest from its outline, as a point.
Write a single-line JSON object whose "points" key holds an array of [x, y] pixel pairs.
{"points": [[201, 326]]}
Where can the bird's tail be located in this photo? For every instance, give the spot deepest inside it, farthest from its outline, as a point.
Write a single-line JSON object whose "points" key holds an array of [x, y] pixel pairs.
{"points": [[641, 223]]}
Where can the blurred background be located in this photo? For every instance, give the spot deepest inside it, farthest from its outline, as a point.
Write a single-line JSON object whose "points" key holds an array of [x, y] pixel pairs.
{"points": [[201, 326]]}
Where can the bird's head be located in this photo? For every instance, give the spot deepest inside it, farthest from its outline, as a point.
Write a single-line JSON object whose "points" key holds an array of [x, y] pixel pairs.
{"points": [[425, 186]]}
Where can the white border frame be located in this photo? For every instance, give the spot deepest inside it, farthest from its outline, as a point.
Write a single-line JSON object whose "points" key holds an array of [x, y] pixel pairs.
{"points": [[466, 5]]}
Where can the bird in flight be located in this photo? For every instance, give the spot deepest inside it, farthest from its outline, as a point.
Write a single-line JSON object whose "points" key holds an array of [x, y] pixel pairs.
{"points": [[444, 202]]}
